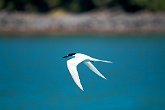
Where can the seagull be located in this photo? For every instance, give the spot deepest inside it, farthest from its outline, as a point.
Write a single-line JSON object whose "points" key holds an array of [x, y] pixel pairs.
{"points": [[77, 58]]}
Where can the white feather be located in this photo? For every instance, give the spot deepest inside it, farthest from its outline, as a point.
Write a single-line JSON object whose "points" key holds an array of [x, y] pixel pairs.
{"points": [[92, 67], [77, 59], [72, 67]]}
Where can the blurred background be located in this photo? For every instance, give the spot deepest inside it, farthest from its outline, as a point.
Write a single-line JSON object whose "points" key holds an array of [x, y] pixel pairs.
{"points": [[79, 6], [35, 35]]}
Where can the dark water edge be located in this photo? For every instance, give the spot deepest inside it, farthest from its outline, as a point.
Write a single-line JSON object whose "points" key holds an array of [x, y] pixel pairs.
{"points": [[79, 35], [33, 74]]}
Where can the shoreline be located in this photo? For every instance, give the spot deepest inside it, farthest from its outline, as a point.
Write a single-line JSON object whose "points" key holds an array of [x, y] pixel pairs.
{"points": [[92, 22]]}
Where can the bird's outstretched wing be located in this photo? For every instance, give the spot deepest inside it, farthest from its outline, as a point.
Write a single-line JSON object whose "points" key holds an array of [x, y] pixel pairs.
{"points": [[92, 67], [72, 67]]}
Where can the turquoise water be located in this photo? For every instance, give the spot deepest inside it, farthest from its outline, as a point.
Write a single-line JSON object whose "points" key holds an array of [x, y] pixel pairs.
{"points": [[33, 75]]}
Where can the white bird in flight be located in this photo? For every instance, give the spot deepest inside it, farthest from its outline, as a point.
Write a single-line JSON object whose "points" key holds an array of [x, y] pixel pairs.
{"points": [[77, 58]]}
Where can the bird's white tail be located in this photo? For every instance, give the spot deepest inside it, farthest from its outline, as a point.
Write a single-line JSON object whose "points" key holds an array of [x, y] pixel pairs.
{"points": [[105, 61]]}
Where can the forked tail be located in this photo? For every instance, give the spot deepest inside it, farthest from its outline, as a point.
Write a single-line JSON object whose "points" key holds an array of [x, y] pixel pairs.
{"points": [[105, 61]]}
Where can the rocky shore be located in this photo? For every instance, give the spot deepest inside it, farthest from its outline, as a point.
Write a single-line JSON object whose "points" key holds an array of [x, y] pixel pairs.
{"points": [[93, 22]]}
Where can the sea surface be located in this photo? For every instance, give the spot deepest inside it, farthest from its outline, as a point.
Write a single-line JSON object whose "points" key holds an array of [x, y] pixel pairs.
{"points": [[34, 76]]}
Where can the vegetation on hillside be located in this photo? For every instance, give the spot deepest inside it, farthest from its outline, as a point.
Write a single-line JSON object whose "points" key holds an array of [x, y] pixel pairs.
{"points": [[78, 6]]}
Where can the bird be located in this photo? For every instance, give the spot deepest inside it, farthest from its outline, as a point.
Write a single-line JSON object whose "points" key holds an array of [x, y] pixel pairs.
{"points": [[76, 59]]}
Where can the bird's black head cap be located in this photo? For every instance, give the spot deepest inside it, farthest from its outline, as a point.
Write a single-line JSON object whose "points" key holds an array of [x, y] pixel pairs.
{"points": [[71, 54]]}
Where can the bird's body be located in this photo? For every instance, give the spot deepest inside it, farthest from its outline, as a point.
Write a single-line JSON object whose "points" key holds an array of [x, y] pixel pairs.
{"points": [[77, 58]]}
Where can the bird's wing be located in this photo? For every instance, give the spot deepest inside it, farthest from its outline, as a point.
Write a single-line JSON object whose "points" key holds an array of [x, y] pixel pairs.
{"points": [[72, 67], [92, 67]]}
